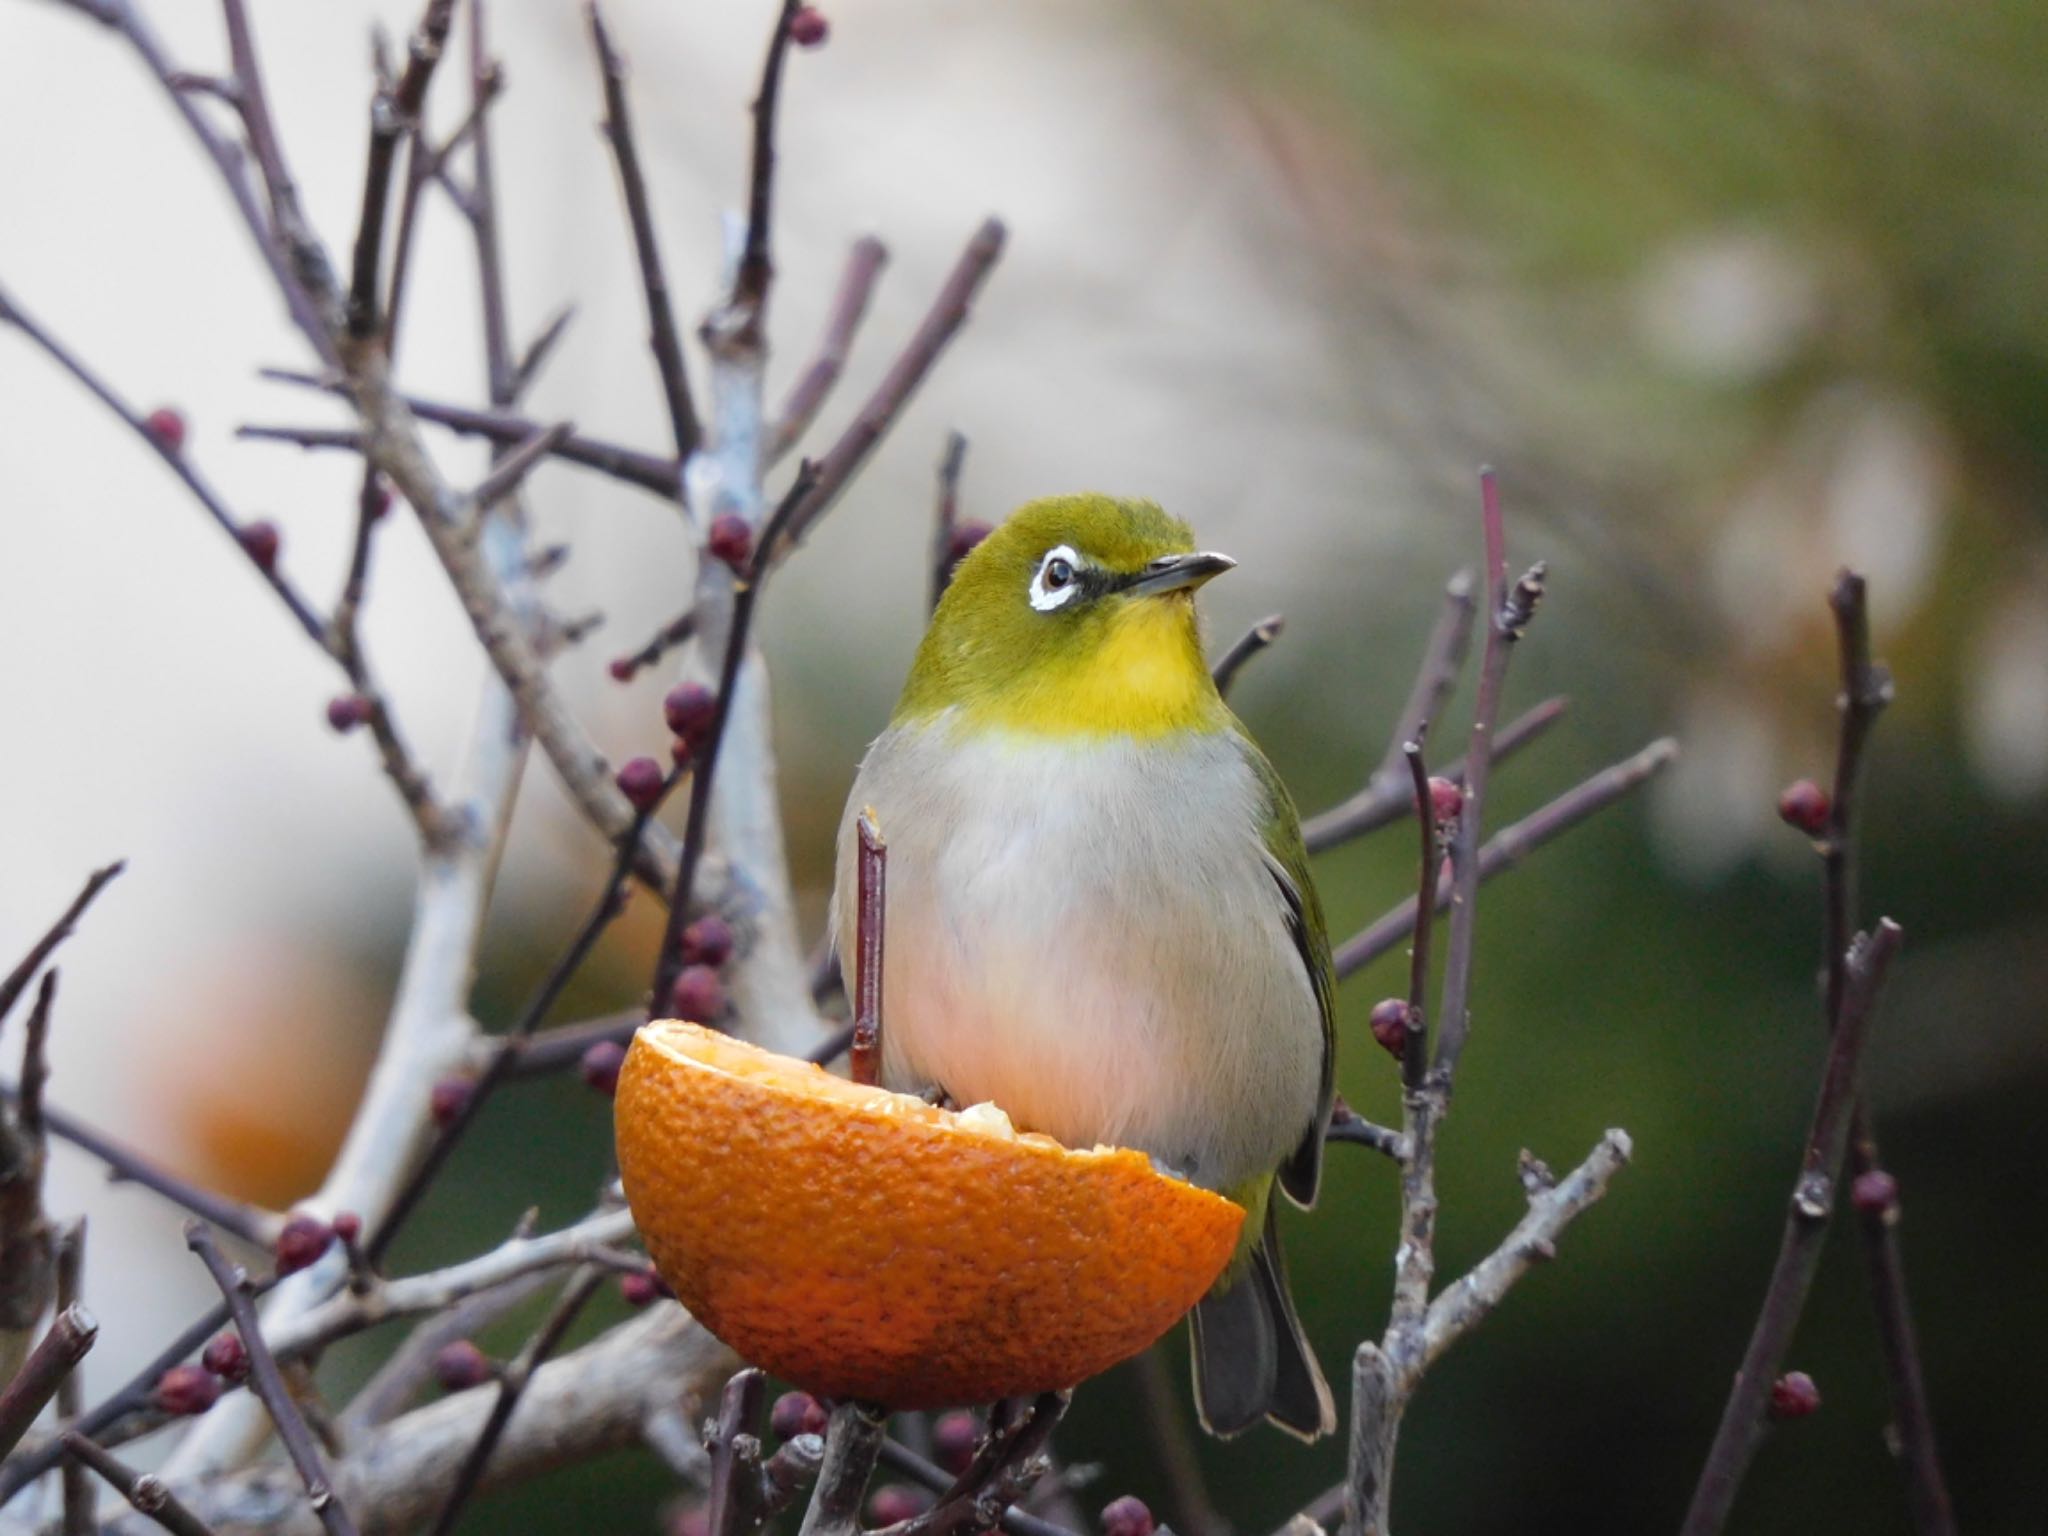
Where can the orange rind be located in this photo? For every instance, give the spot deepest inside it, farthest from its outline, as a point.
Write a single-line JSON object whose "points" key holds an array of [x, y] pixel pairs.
{"points": [[864, 1244]]}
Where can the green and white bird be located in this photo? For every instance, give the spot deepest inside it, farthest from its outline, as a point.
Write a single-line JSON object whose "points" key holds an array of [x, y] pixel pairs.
{"points": [[1100, 914]]}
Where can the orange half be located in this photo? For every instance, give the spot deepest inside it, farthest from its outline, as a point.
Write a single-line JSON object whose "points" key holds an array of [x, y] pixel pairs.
{"points": [[865, 1244]]}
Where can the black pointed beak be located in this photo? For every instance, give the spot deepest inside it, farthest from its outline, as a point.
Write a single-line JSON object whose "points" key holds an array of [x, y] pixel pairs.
{"points": [[1178, 573]]}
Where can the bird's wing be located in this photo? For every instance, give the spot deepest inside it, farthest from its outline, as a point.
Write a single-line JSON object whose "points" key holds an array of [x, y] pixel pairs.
{"points": [[1287, 862]]}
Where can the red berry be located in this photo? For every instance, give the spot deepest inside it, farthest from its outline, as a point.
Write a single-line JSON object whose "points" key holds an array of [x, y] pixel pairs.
{"points": [[260, 541], [303, 1239], [380, 501], [1446, 802], [707, 941], [1389, 1021], [643, 1287], [461, 1365], [966, 535], [167, 426], [698, 995], [226, 1356], [694, 1521], [808, 28], [600, 1066], [1794, 1396], [347, 711], [187, 1389], [893, 1502], [1874, 1192], [954, 1437], [622, 668], [1805, 805], [689, 710], [731, 539], [1126, 1516], [797, 1413], [348, 1226], [450, 1097], [640, 781]]}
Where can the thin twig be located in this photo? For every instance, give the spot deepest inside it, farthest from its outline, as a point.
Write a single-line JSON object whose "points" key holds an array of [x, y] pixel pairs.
{"points": [[899, 1457], [1381, 804], [946, 515], [1415, 1037], [1008, 1462], [512, 1386], [78, 1502], [125, 1165], [1248, 645], [394, 112], [731, 1508], [145, 1491], [1508, 610], [704, 763], [870, 938], [813, 386], [1509, 846], [1865, 691], [268, 1383], [23, 973], [53, 1359], [664, 640], [513, 466], [1799, 1247], [948, 313], [648, 471], [757, 265], [662, 336]]}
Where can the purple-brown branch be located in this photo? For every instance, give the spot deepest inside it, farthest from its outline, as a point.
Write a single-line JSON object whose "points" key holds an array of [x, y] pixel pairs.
{"points": [[1415, 1038], [1866, 688], [145, 1492], [1247, 645], [394, 113], [24, 972], [663, 339], [864, 264], [268, 1383], [53, 1359], [1381, 803], [1509, 846], [941, 323], [869, 953], [757, 263], [1799, 1248], [946, 515], [512, 1386], [704, 764]]}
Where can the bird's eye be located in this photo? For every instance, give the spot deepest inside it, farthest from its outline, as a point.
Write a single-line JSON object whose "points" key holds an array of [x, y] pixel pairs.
{"points": [[1057, 581], [1058, 573]]}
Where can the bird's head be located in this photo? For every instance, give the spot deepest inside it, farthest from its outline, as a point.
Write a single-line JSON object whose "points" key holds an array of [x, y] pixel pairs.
{"points": [[1075, 617]]}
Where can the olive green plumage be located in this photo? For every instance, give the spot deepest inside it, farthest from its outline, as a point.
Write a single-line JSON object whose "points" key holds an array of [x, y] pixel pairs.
{"points": [[1101, 914]]}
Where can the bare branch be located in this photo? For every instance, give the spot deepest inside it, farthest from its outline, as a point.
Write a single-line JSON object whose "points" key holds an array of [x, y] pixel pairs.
{"points": [[662, 337], [511, 1388], [144, 1491], [1799, 1248], [1509, 846], [70, 1336], [394, 113], [1247, 645], [24, 972], [1382, 803], [864, 264], [870, 933], [1462, 1306], [941, 323], [513, 467], [946, 515], [266, 1382]]}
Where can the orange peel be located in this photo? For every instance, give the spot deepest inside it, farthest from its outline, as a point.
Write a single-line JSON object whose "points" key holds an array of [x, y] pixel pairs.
{"points": [[864, 1244]]}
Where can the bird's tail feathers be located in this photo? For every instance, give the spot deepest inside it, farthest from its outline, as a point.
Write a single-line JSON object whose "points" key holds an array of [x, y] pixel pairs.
{"points": [[1251, 1359]]}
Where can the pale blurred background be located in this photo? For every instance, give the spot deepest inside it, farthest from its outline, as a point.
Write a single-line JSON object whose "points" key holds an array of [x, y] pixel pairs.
{"points": [[1730, 295]]}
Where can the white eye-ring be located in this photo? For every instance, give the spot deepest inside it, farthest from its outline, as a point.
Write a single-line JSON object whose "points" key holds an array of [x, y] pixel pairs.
{"points": [[1057, 579]]}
